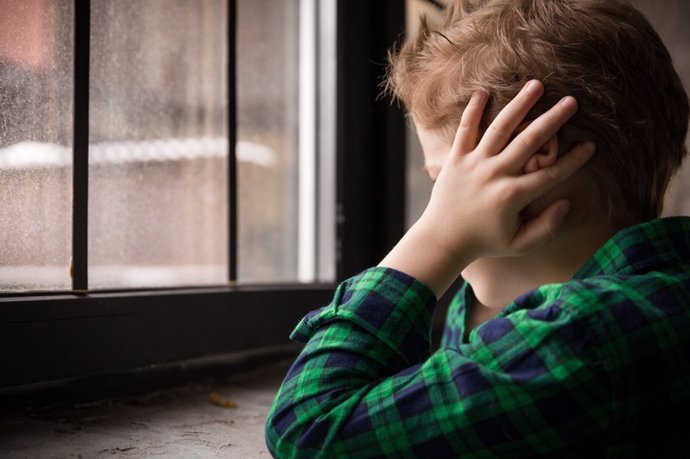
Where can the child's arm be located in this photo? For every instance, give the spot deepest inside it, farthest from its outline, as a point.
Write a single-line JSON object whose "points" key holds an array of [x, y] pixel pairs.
{"points": [[475, 205], [365, 384], [532, 383]]}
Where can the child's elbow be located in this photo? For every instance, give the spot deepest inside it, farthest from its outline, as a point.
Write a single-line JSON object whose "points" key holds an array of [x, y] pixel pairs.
{"points": [[273, 440], [288, 437], [279, 432]]}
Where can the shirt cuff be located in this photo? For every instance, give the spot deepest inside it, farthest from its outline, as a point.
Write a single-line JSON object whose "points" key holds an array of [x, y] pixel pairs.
{"points": [[388, 304]]}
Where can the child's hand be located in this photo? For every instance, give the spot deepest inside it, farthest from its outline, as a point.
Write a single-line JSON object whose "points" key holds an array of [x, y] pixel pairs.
{"points": [[475, 206], [476, 202]]}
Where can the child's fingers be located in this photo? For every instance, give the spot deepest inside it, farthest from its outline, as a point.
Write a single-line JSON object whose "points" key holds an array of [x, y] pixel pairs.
{"points": [[468, 132], [535, 184], [540, 229], [501, 129], [539, 132]]}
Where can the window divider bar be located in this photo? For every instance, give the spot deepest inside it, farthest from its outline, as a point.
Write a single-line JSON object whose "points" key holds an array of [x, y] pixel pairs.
{"points": [[307, 189], [232, 141], [80, 165], [325, 126]]}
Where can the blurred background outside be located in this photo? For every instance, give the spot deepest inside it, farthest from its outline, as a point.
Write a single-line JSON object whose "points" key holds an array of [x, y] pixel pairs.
{"points": [[158, 142]]}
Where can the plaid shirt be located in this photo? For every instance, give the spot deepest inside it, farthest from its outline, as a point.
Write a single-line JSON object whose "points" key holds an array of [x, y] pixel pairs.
{"points": [[598, 366]]}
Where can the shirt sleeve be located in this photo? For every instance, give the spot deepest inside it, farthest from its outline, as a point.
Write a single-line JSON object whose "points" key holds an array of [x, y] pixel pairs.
{"points": [[367, 385]]}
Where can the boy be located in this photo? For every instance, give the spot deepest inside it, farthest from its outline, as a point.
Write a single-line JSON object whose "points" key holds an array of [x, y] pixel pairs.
{"points": [[571, 334]]}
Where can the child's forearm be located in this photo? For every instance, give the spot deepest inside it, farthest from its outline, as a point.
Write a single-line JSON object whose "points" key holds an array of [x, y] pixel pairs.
{"points": [[422, 257]]}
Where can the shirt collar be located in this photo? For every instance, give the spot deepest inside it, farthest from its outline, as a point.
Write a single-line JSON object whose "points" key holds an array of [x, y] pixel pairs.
{"points": [[638, 249]]}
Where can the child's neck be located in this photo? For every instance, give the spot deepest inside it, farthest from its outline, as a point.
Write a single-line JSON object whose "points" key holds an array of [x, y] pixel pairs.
{"points": [[496, 282]]}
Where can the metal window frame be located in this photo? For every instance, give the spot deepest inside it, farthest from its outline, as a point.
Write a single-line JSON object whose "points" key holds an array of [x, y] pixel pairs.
{"points": [[80, 158], [50, 340], [371, 136]]}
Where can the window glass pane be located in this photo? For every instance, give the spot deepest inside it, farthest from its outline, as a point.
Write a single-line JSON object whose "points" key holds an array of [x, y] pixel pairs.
{"points": [[36, 63], [268, 115], [671, 24], [418, 189], [158, 143]]}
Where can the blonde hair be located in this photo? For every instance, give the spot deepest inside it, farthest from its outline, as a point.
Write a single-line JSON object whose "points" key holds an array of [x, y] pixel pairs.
{"points": [[602, 52]]}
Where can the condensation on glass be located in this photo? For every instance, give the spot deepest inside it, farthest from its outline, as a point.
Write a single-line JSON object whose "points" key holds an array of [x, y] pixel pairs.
{"points": [[268, 139], [36, 61], [158, 143]]}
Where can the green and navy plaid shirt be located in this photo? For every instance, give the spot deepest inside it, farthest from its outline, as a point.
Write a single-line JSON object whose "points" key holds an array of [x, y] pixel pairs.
{"points": [[598, 366]]}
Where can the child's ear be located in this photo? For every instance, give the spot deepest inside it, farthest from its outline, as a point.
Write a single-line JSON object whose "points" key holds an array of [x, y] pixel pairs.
{"points": [[544, 157]]}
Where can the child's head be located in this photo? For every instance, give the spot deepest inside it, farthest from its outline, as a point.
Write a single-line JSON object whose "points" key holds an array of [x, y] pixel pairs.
{"points": [[602, 52]]}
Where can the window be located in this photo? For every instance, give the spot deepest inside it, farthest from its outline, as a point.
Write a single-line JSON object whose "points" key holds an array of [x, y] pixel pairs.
{"points": [[186, 180], [418, 186], [36, 60], [158, 145]]}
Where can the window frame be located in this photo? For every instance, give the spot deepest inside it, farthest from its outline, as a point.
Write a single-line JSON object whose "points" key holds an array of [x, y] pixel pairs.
{"points": [[50, 340]]}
